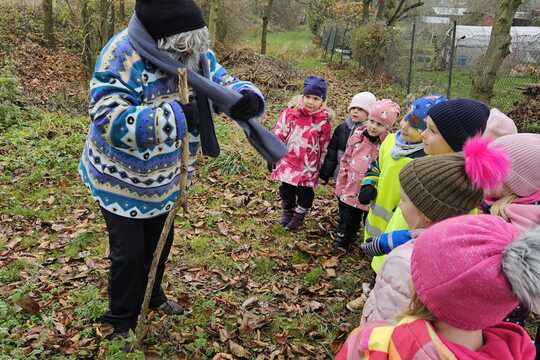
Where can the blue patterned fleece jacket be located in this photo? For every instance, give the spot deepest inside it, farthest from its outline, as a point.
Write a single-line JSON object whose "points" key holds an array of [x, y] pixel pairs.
{"points": [[131, 158]]}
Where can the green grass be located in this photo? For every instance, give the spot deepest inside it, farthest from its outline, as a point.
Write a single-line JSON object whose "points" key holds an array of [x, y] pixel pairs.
{"points": [[295, 47], [506, 87]]}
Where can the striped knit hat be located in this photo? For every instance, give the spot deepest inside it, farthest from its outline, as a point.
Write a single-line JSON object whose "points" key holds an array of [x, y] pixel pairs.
{"points": [[444, 186]]}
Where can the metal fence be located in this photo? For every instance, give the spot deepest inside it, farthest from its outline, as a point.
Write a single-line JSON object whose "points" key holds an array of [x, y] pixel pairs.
{"points": [[428, 58]]}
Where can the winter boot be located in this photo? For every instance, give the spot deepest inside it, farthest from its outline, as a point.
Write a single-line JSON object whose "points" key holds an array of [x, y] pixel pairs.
{"points": [[297, 219], [286, 216], [342, 243]]}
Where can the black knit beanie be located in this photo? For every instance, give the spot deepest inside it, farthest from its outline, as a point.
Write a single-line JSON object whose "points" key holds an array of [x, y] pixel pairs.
{"points": [[163, 18], [459, 120]]}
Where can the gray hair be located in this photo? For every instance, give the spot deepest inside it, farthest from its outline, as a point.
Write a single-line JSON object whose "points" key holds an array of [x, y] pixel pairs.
{"points": [[521, 265], [197, 41]]}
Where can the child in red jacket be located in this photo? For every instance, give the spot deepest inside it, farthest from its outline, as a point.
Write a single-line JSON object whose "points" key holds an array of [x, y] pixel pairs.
{"points": [[305, 129]]}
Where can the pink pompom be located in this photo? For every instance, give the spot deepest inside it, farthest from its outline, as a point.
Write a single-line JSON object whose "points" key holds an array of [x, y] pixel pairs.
{"points": [[485, 165]]}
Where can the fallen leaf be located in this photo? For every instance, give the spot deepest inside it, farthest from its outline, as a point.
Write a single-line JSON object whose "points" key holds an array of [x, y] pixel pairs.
{"points": [[238, 350], [249, 302], [331, 263], [29, 304], [223, 356]]}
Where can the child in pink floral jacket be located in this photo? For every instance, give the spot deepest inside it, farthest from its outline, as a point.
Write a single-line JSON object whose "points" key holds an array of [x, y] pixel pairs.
{"points": [[362, 149], [305, 129]]}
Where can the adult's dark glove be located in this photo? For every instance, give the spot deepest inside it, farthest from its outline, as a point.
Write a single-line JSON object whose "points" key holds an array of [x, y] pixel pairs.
{"points": [[367, 194], [191, 113], [249, 106]]}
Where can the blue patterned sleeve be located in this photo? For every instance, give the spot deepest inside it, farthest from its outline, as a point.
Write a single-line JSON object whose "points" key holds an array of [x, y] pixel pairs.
{"points": [[385, 243], [116, 108], [221, 76]]}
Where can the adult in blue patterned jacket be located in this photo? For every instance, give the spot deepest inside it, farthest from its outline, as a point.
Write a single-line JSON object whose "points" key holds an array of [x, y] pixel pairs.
{"points": [[131, 157]]}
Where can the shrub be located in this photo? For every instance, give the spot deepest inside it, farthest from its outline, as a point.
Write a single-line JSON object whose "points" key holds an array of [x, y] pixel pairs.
{"points": [[10, 99], [373, 45], [318, 12]]}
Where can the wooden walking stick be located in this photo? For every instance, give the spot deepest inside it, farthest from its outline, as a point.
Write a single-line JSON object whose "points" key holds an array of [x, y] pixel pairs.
{"points": [[141, 329]]}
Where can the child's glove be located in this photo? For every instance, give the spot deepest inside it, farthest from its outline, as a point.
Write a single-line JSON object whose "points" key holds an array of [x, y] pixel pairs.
{"points": [[270, 167], [384, 243], [367, 194], [191, 113]]}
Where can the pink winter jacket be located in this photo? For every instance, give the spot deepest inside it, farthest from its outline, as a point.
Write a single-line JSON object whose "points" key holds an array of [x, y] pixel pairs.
{"points": [[354, 163], [392, 292], [307, 136]]}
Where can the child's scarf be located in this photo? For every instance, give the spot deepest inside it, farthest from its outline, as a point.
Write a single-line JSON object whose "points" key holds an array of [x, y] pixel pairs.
{"points": [[403, 148]]}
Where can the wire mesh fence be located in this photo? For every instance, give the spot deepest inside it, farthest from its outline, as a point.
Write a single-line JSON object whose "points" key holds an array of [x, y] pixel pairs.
{"points": [[432, 56]]}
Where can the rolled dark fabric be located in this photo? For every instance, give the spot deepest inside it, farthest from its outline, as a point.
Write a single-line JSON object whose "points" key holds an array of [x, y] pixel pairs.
{"points": [[266, 144]]}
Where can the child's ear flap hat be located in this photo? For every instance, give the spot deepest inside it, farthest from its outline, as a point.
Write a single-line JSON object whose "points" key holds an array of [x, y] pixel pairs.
{"points": [[364, 100], [385, 112], [471, 271]]}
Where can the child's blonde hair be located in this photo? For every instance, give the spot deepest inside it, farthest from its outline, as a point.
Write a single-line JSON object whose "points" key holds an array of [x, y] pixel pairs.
{"points": [[498, 208], [418, 310]]}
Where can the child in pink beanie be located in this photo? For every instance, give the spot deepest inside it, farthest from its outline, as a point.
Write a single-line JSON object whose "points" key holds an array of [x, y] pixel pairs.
{"points": [[468, 272], [362, 149]]}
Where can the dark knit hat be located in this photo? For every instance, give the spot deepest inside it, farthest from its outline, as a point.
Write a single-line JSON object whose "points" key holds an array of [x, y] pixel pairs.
{"points": [[444, 186], [163, 18], [314, 85], [459, 119]]}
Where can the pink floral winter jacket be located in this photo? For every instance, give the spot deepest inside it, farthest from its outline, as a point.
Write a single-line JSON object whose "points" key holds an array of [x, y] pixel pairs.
{"points": [[354, 163], [307, 136]]}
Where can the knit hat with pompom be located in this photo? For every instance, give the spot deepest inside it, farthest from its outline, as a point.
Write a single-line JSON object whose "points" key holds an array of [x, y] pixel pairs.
{"points": [[443, 186], [470, 271]]}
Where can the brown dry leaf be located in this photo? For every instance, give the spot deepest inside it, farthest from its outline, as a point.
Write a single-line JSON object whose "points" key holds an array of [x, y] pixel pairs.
{"points": [[29, 304], [224, 335], [238, 350], [223, 356], [249, 302], [331, 263], [13, 243], [223, 229], [307, 248], [314, 306], [331, 273]]}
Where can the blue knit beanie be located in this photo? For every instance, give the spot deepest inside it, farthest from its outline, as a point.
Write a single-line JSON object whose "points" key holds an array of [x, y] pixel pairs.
{"points": [[459, 120], [315, 85], [419, 110]]}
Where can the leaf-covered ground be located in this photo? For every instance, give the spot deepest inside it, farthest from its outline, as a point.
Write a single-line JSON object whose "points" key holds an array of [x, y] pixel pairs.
{"points": [[252, 289]]}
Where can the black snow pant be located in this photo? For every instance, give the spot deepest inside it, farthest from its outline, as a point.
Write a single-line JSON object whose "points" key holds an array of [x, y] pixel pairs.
{"points": [[293, 196], [350, 219], [132, 243]]}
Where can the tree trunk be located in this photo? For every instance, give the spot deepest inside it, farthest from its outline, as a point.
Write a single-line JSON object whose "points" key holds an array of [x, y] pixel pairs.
{"points": [[380, 10], [87, 53], [112, 20], [213, 20], [485, 73], [103, 21], [365, 11], [48, 23], [122, 10], [266, 19]]}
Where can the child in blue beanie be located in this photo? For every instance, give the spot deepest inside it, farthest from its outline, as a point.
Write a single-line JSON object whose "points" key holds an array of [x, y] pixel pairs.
{"points": [[305, 129]]}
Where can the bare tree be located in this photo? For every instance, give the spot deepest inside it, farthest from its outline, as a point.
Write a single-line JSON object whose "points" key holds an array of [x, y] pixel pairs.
{"points": [[48, 23], [213, 20], [485, 74], [365, 11], [401, 11], [266, 18]]}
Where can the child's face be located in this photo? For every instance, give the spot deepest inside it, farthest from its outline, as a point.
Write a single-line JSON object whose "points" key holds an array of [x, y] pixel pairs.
{"points": [[414, 217], [358, 115], [312, 102], [434, 143], [375, 128], [408, 133]]}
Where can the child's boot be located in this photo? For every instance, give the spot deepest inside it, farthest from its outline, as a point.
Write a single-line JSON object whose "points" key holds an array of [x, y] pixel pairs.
{"points": [[297, 219], [341, 244], [286, 216]]}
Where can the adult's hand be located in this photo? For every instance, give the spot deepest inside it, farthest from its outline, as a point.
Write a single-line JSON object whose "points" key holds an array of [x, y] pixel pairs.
{"points": [[247, 107]]}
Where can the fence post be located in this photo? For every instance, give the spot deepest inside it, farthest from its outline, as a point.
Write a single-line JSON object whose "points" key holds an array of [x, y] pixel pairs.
{"points": [[451, 66], [343, 42], [324, 41], [334, 43], [411, 59]]}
